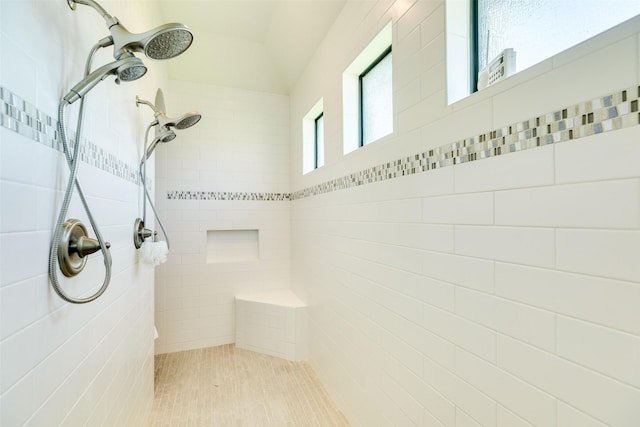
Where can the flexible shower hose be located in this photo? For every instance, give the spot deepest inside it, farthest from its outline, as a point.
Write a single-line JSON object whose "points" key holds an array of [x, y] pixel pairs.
{"points": [[73, 162], [143, 177]]}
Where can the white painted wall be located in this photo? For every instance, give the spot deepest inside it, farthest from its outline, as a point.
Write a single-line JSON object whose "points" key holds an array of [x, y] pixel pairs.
{"points": [[240, 148], [501, 292], [64, 364]]}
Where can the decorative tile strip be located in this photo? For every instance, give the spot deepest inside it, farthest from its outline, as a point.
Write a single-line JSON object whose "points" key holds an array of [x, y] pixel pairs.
{"points": [[18, 115], [612, 112], [227, 195], [608, 113]]}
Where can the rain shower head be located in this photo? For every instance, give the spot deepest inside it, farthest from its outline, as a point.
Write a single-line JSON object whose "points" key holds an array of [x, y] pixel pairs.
{"points": [[126, 69], [163, 42]]}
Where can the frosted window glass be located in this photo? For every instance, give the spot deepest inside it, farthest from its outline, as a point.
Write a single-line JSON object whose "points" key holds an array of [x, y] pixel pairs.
{"points": [[319, 142], [377, 101], [539, 29]]}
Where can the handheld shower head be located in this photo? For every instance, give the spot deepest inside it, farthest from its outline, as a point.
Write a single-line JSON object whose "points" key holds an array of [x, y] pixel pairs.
{"points": [[163, 42], [163, 135], [126, 69]]}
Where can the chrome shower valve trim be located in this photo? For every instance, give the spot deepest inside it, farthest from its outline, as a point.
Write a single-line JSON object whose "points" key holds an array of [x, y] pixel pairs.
{"points": [[140, 233], [75, 246]]}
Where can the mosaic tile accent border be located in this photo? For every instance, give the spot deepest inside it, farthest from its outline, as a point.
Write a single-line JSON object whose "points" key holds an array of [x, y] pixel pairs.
{"points": [[20, 116], [232, 196], [611, 112]]}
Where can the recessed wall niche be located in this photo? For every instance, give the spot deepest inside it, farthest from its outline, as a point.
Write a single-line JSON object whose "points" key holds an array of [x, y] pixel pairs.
{"points": [[232, 246]]}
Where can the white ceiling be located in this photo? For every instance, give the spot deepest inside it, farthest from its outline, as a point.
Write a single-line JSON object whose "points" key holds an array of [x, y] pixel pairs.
{"points": [[261, 45]]}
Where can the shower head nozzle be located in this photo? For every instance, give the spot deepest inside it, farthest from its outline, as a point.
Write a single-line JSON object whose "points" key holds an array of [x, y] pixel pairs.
{"points": [[127, 69], [131, 73]]}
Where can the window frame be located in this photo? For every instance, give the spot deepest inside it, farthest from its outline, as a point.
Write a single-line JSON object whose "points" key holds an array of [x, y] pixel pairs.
{"points": [[350, 88], [474, 62], [362, 75], [316, 142], [310, 147], [462, 34]]}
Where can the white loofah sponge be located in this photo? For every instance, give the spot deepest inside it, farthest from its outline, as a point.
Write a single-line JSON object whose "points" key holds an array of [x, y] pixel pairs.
{"points": [[153, 252]]}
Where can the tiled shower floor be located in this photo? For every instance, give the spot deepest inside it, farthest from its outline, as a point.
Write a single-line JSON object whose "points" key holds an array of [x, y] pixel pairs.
{"points": [[227, 387]]}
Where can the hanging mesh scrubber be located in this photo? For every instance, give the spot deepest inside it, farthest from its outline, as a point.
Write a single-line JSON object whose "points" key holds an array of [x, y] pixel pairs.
{"points": [[153, 252]]}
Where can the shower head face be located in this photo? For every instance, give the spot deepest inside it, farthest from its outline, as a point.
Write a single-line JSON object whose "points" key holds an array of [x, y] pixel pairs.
{"points": [[131, 72], [166, 135], [187, 120], [170, 41], [163, 42]]}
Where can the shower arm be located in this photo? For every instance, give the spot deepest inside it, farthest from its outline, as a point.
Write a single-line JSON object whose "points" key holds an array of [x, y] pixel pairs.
{"points": [[153, 107], [110, 20]]}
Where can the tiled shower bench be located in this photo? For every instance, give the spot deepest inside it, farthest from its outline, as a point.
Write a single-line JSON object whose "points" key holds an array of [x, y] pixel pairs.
{"points": [[272, 322]]}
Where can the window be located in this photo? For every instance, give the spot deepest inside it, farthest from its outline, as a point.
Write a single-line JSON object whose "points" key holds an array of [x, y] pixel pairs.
{"points": [[318, 143], [367, 94], [479, 31], [313, 138], [376, 99]]}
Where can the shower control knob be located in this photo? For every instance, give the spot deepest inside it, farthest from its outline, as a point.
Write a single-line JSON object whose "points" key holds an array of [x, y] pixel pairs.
{"points": [[74, 247], [86, 246], [140, 234]]}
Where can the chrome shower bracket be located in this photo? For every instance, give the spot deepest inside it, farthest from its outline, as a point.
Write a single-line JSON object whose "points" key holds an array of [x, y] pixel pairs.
{"points": [[140, 233], [72, 4], [75, 246]]}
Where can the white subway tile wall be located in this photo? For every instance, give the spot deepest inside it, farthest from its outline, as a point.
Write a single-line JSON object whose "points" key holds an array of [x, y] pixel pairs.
{"points": [[230, 172], [455, 280], [66, 364]]}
